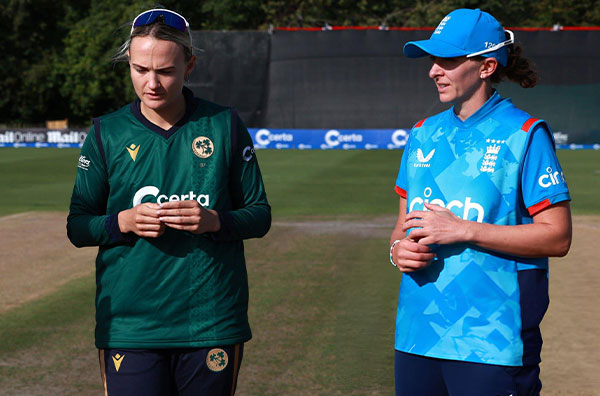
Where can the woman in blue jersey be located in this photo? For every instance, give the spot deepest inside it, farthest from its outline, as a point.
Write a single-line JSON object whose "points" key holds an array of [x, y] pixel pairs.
{"points": [[168, 187], [483, 204]]}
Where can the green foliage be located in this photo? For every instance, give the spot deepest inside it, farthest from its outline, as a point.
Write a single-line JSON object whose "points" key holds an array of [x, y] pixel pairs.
{"points": [[92, 84]]}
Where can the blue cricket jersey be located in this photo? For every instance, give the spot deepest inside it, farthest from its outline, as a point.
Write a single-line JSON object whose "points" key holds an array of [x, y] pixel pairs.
{"points": [[498, 166]]}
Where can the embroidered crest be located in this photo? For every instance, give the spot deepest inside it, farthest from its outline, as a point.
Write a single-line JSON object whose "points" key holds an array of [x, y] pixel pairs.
{"points": [[203, 147], [217, 359], [491, 155]]}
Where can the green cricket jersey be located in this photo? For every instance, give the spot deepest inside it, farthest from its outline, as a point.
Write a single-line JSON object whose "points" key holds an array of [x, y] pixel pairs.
{"points": [[180, 289]]}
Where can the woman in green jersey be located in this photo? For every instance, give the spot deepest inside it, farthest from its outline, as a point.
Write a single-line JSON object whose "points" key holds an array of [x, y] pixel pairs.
{"points": [[168, 187]]}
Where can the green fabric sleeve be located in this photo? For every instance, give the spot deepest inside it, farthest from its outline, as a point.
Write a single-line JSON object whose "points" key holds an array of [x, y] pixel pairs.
{"points": [[251, 214], [88, 224]]}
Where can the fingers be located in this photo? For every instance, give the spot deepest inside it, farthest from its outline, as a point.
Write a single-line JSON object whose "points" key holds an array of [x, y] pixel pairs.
{"points": [[411, 256]]}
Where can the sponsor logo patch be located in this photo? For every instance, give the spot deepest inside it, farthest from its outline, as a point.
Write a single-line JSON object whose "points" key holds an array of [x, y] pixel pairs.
{"points": [[117, 360], [153, 191], [203, 147], [133, 151], [423, 159], [83, 163], [468, 207], [551, 178], [217, 359], [247, 153]]}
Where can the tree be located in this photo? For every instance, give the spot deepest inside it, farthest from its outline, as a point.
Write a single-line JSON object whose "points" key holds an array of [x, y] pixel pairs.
{"points": [[93, 85]]}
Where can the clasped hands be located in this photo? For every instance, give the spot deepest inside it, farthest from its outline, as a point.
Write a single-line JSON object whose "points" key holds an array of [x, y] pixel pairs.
{"points": [[436, 225], [149, 220]]}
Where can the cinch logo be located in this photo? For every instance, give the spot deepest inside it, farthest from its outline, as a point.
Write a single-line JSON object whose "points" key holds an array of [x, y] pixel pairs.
{"points": [[423, 160], [264, 137], [551, 178], [466, 206], [202, 199], [334, 138]]}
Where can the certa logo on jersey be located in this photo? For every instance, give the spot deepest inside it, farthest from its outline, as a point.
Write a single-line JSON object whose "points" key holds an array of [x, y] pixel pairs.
{"points": [[418, 203], [423, 159], [202, 199], [551, 178]]}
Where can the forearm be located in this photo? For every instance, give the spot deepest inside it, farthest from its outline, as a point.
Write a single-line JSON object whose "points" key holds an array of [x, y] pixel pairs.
{"points": [[87, 230], [526, 240], [250, 222]]}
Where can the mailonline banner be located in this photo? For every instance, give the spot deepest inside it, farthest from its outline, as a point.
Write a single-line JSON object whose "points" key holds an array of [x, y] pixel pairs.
{"points": [[41, 138], [303, 139]]}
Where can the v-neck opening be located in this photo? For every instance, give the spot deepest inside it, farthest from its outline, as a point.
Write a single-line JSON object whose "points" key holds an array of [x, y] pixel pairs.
{"points": [[190, 107]]}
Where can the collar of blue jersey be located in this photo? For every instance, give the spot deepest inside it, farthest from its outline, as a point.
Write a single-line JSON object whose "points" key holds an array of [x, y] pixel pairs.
{"points": [[480, 113]]}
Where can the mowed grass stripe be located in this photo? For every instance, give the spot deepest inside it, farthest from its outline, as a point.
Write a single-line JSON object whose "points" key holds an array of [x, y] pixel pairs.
{"points": [[300, 183], [36, 179], [330, 183]]}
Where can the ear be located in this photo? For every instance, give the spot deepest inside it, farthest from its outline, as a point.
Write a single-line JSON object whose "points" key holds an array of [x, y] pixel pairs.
{"points": [[488, 67], [190, 66]]}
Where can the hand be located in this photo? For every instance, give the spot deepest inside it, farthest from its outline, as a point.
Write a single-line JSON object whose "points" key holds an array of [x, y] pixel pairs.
{"points": [[437, 225], [142, 220], [410, 256], [189, 216]]}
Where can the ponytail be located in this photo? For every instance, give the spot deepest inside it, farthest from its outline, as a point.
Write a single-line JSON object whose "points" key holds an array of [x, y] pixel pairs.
{"points": [[518, 69]]}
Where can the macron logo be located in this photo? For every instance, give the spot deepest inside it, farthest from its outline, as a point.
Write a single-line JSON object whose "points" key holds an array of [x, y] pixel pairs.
{"points": [[423, 159]]}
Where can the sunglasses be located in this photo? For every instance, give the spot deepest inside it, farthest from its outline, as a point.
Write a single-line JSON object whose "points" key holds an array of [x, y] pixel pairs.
{"points": [[170, 18], [511, 40]]}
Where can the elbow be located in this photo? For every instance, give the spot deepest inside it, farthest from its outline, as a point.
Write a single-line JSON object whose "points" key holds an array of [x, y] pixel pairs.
{"points": [[563, 248], [267, 223], [562, 245]]}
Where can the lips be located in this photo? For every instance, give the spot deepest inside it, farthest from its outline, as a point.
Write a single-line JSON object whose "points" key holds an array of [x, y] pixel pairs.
{"points": [[154, 96]]}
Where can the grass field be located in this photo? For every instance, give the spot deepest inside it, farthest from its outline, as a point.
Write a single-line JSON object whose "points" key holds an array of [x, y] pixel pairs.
{"points": [[323, 295]]}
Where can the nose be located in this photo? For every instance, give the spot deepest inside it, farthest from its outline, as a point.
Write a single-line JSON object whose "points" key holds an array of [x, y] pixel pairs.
{"points": [[153, 80], [435, 70]]}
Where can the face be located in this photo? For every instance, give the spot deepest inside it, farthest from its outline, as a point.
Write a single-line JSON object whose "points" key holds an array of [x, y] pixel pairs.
{"points": [[158, 69], [457, 79]]}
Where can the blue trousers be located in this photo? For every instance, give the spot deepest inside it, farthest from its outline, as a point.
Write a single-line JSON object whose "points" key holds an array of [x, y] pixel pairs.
{"points": [[421, 375]]}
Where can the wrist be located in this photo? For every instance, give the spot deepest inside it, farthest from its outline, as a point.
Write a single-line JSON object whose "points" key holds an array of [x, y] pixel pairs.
{"points": [[122, 222], [392, 252]]}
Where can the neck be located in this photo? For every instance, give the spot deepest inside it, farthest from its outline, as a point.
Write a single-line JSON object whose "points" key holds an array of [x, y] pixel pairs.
{"points": [[467, 108], [165, 117]]}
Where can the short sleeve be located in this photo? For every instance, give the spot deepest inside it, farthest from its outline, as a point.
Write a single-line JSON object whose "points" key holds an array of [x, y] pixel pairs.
{"points": [[543, 182], [402, 180]]}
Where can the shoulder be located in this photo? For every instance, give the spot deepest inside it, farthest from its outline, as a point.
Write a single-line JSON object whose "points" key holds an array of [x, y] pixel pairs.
{"points": [[206, 108], [123, 111], [432, 120]]}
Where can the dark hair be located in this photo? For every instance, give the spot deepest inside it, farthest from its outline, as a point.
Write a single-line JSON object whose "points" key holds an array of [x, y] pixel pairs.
{"points": [[160, 31], [518, 69]]}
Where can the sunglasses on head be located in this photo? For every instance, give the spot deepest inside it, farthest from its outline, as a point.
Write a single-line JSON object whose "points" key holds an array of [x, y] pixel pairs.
{"points": [[170, 18]]}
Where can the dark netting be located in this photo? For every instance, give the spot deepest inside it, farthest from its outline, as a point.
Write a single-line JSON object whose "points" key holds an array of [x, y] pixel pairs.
{"points": [[353, 79], [232, 70]]}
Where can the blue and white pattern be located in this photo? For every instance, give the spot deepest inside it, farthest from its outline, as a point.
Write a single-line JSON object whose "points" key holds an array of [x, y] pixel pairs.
{"points": [[465, 306]]}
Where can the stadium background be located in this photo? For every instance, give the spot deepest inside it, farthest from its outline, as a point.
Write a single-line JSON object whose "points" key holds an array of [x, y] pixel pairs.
{"points": [[293, 87]]}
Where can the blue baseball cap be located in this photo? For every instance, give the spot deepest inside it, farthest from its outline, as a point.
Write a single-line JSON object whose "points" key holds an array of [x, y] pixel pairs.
{"points": [[464, 32]]}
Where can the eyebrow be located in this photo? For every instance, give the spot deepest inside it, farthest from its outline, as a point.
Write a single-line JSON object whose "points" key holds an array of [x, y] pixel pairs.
{"points": [[146, 68]]}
